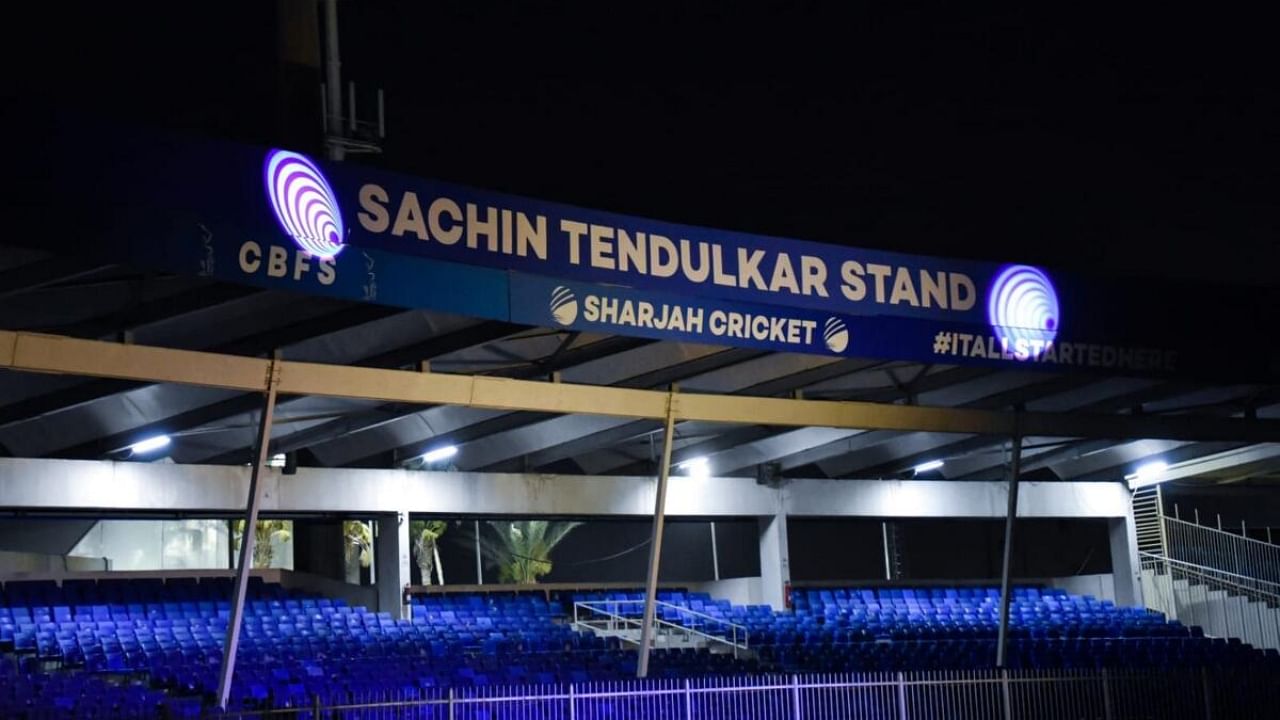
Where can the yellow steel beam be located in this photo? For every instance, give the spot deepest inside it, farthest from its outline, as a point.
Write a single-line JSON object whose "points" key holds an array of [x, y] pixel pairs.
{"points": [[55, 354], [61, 355]]}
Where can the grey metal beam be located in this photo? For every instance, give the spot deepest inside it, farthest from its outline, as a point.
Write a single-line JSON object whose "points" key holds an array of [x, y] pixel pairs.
{"points": [[878, 447], [28, 352], [511, 435], [43, 273], [809, 446], [247, 538], [1109, 395], [620, 360], [255, 344], [655, 539], [409, 355], [595, 453], [1006, 566]]}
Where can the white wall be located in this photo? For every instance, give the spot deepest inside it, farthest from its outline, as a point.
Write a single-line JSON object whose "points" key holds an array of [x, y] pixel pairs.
{"points": [[739, 591], [1102, 587]]}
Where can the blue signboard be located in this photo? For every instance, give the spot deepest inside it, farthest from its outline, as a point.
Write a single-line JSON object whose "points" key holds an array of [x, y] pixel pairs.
{"points": [[280, 219], [627, 311]]}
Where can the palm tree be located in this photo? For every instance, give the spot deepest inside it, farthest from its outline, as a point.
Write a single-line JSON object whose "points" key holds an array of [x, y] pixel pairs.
{"points": [[426, 534], [521, 550], [264, 534], [357, 539]]}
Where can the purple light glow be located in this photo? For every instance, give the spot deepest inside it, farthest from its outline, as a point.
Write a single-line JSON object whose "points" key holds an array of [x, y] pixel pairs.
{"points": [[1023, 305], [304, 204]]}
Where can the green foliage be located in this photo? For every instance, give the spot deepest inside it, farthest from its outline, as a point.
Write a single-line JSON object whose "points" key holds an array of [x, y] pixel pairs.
{"points": [[358, 540], [266, 532], [521, 550], [425, 535]]}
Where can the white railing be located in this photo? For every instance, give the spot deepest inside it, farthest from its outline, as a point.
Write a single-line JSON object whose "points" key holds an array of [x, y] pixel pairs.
{"points": [[1222, 551], [1168, 694], [1223, 604], [605, 617]]}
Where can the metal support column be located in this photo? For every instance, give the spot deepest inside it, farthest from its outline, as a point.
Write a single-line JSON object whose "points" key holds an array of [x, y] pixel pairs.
{"points": [[479, 563], [333, 84], [655, 539], [884, 537], [247, 536], [715, 554], [1011, 517]]}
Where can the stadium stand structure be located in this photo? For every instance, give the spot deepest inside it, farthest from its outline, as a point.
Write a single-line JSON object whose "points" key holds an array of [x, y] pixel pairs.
{"points": [[138, 648]]}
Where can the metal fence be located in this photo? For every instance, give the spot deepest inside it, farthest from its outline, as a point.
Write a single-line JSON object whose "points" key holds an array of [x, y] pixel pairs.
{"points": [[1221, 550], [961, 695]]}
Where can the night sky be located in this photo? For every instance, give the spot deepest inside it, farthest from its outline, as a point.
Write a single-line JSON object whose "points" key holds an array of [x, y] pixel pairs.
{"points": [[1126, 143]]}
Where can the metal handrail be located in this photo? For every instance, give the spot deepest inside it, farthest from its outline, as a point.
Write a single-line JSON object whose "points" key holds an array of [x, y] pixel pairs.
{"points": [[1245, 538], [1213, 575], [732, 640], [662, 603], [637, 622], [1219, 549]]}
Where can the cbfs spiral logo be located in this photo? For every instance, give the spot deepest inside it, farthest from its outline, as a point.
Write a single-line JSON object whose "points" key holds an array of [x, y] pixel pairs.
{"points": [[1022, 304], [564, 305], [304, 203], [835, 335]]}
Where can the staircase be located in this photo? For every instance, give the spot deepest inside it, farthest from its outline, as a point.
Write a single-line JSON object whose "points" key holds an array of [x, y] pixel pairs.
{"points": [[1222, 604], [1148, 519], [1219, 581], [674, 626]]}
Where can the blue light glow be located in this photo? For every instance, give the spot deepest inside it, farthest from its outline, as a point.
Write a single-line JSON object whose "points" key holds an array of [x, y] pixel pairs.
{"points": [[1023, 305]]}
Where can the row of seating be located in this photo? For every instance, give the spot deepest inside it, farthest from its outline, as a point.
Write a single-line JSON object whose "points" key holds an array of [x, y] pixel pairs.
{"points": [[295, 647]]}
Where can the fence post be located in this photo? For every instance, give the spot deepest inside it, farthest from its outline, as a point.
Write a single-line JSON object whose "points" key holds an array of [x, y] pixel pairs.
{"points": [[902, 697], [795, 697], [1007, 694], [1106, 694], [451, 709], [688, 701], [315, 706], [1208, 693], [573, 704]]}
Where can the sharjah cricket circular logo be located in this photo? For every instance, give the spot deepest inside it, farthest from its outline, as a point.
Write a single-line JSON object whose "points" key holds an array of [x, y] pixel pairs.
{"points": [[303, 202], [836, 335], [564, 305]]}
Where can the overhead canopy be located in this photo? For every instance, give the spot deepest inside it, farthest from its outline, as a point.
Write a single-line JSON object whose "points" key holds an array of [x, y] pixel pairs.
{"points": [[182, 244]]}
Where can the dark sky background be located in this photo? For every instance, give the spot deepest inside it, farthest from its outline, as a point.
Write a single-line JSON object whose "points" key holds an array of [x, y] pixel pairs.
{"points": [[1131, 142]]}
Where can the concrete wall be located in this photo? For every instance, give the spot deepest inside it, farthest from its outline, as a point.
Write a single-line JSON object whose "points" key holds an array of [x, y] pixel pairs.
{"points": [[739, 591], [92, 485], [1102, 587]]}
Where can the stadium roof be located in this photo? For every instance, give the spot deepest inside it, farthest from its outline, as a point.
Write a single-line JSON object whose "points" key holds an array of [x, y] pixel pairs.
{"points": [[68, 417]]}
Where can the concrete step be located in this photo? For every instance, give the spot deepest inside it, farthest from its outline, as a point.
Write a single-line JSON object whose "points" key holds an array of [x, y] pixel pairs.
{"points": [[1218, 612]]}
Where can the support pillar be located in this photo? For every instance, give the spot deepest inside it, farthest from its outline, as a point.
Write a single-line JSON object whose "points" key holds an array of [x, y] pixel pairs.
{"points": [[1126, 567], [391, 563], [1006, 586], [241, 587], [655, 538], [775, 560]]}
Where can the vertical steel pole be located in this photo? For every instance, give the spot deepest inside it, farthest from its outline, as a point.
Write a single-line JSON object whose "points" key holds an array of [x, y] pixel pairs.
{"points": [[884, 538], [479, 564], [332, 74], [715, 554], [247, 537], [1011, 516], [655, 539]]}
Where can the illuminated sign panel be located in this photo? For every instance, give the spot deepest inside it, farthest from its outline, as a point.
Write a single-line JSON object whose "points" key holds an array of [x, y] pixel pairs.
{"points": [[368, 235]]}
